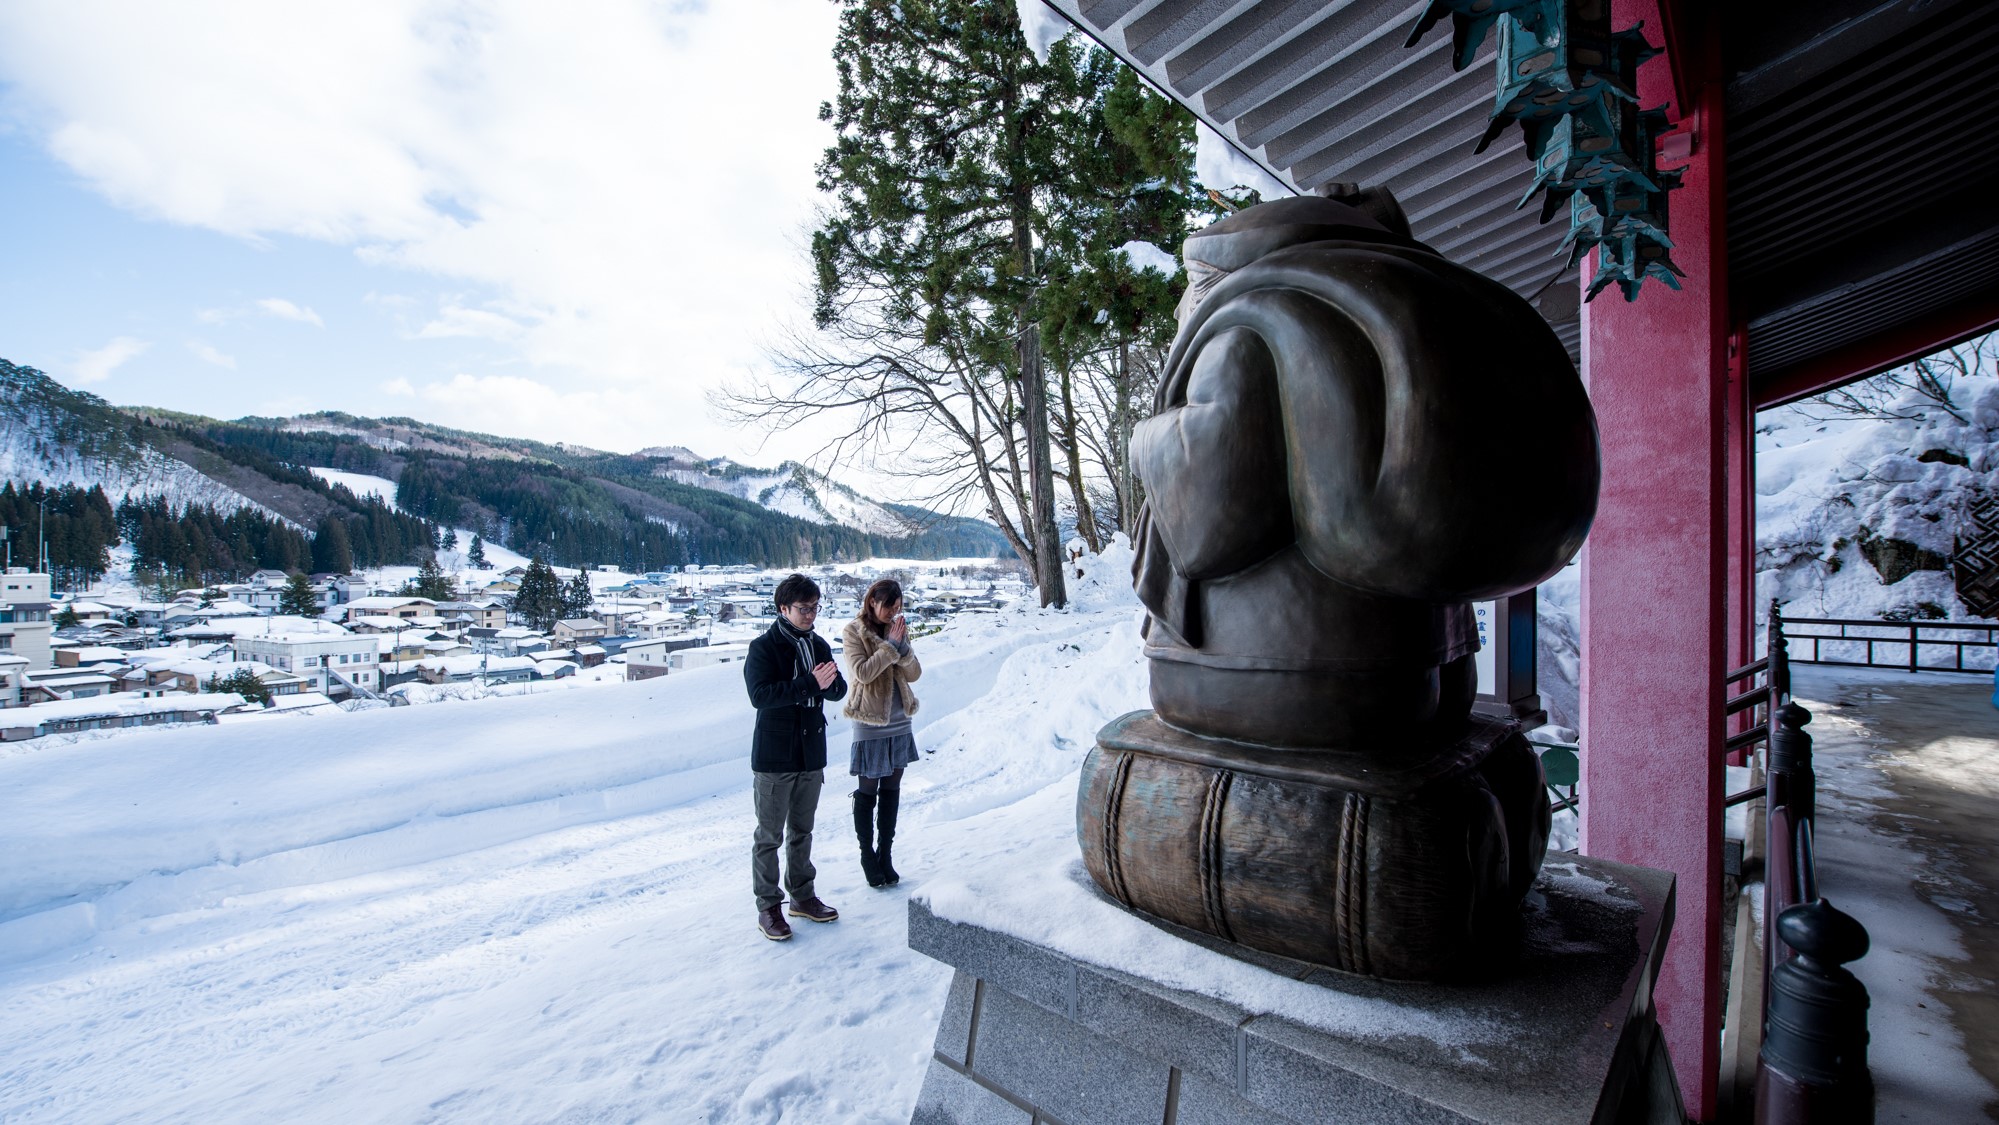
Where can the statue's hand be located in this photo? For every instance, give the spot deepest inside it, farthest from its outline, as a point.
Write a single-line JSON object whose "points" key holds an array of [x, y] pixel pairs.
{"points": [[1212, 465]]}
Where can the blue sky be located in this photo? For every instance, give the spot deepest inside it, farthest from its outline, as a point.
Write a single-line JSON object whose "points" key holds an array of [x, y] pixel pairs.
{"points": [[566, 223], [83, 274]]}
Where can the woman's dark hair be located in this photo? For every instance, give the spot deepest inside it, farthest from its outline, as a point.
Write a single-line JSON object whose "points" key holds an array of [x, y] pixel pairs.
{"points": [[885, 591], [794, 589]]}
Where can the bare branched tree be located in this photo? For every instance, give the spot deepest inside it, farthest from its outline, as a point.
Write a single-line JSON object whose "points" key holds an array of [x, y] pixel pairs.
{"points": [[928, 412], [1908, 393]]}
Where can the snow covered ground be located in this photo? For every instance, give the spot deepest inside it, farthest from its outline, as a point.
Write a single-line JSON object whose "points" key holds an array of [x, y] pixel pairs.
{"points": [[363, 485], [531, 908]]}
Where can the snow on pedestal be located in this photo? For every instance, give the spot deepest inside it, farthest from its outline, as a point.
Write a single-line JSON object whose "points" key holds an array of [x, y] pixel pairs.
{"points": [[1069, 1005]]}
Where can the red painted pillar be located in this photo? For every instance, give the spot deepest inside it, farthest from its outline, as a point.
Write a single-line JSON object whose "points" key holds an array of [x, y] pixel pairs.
{"points": [[1654, 610], [1739, 473]]}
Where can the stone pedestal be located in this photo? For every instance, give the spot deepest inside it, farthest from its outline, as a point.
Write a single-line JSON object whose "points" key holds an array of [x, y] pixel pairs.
{"points": [[1033, 1034]]}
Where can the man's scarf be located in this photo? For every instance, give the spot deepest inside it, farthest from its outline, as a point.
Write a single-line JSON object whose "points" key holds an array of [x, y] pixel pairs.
{"points": [[801, 640]]}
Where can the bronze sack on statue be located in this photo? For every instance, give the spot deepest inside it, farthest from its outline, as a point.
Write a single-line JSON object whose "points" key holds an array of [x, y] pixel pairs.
{"points": [[1354, 439]]}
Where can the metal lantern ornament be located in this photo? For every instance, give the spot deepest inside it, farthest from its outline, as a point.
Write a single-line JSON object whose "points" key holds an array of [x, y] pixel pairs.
{"points": [[1570, 83]]}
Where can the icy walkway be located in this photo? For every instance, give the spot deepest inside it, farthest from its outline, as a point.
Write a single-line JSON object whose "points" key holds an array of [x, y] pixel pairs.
{"points": [[1908, 773]]}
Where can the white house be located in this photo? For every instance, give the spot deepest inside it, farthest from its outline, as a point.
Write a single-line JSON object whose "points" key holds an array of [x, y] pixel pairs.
{"points": [[331, 658], [24, 616], [682, 660], [12, 669], [645, 660], [390, 606]]}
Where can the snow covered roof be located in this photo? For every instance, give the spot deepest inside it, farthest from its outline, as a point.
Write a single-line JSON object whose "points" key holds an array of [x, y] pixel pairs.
{"points": [[91, 654], [377, 621], [273, 625], [65, 678], [581, 623], [374, 602], [474, 664], [123, 703]]}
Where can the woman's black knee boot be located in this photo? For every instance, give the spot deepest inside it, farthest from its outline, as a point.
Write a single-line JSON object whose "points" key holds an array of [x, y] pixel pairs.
{"points": [[891, 800], [864, 829]]}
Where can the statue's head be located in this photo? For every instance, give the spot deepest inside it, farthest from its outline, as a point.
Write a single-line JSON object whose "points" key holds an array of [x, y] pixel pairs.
{"points": [[1217, 250]]}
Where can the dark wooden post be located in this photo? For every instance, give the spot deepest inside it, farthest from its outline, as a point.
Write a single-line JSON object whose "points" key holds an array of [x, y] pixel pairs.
{"points": [[1780, 660], [1813, 1066], [1790, 765]]}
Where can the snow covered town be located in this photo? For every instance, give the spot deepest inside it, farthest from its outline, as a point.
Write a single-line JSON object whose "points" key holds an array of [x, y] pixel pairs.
{"points": [[106, 659]]}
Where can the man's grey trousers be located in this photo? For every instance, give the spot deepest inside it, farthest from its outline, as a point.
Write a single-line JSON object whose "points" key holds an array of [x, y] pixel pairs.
{"points": [[786, 804]]}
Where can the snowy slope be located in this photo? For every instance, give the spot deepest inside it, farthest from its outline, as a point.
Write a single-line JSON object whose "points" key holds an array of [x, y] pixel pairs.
{"points": [[1824, 485], [510, 909], [791, 489], [45, 437], [364, 485]]}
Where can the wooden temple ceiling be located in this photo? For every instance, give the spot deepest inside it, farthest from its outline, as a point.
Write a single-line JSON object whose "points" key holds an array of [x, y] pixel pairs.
{"points": [[1860, 165]]}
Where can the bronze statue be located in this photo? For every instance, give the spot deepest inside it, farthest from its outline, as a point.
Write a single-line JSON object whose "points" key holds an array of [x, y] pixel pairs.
{"points": [[1353, 440]]}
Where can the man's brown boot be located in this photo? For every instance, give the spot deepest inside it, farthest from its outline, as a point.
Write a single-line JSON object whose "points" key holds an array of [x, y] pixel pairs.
{"points": [[771, 923], [813, 910]]}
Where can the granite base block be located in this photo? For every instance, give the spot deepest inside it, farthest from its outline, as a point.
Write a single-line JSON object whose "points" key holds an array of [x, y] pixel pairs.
{"points": [[1565, 1036]]}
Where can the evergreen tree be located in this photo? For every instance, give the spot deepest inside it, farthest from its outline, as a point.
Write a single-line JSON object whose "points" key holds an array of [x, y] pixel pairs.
{"points": [[538, 602], [955, 144], [241, 682], [576, 596], [331, 551], [477, 555], [298, 598], [431, 582], [450, 539], [66, 617]]}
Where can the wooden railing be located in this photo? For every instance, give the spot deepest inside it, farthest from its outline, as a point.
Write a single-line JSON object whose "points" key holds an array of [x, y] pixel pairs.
{"points": [[1812, 1068], [1911, 646]]}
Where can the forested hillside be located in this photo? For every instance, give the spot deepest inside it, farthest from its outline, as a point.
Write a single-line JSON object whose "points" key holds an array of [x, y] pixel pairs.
{"points": [[202, 500]]}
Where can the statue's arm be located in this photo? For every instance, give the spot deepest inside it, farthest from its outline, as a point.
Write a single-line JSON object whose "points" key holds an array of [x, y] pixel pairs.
{"points": [[1213, 463]]}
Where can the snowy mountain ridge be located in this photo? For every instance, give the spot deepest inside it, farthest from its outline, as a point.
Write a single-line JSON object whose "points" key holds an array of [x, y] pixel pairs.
{"points": [[57, 436], [792, 488]]}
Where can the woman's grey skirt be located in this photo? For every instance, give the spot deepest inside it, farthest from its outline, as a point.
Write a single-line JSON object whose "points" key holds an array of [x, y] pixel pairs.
{"points": [[879, 757]]}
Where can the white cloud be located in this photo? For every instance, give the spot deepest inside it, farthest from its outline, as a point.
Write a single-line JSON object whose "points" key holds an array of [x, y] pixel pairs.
{"points": [[96, 365], [625, 184], [456, 320], [285, 310], [399, 387], [1220, 165], [609, 417], [208, 352], [1042, 25]]}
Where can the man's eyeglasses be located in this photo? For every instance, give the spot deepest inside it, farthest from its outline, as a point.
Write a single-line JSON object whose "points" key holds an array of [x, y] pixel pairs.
{"points": [[809, 609]]}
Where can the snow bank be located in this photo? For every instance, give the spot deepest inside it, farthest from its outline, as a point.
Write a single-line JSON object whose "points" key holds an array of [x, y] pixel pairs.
{"points": [[158, 820]]}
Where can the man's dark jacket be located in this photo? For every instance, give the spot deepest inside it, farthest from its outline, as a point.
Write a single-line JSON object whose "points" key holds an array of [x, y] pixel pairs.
{"points": [[791, 716]]}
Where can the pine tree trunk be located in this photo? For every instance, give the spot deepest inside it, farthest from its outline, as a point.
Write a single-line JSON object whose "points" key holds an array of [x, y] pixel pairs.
{"points": [[1086, 516], [1040, 467], [1121, 427]]}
